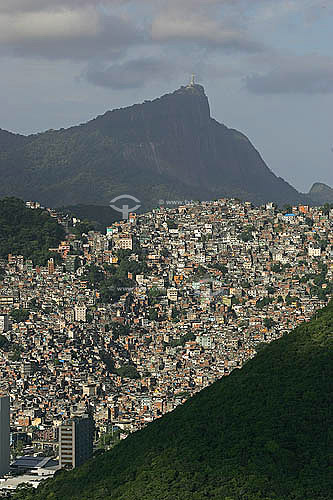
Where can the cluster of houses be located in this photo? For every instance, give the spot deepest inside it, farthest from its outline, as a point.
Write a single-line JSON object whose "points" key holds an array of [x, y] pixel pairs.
{"points": [[217, 280]]}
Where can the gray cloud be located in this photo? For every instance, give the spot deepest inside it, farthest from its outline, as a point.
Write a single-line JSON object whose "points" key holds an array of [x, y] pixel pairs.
{"points": [[15, 6], [67, 34], [145, 71], [128, 75], [91, 29], [306, 75], [212, 24], [202, 31]]}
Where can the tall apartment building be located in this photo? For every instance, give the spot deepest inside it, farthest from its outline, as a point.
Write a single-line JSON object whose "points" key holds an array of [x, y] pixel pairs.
{"points": [[3, 323], [80, 312], [75, 442], [50, 266], [4, 435], [123, 241]]}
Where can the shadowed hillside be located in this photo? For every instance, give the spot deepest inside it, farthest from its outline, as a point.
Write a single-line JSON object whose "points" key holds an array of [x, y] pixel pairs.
{"points": [[169, 149], [263, 433], [28, 232]]}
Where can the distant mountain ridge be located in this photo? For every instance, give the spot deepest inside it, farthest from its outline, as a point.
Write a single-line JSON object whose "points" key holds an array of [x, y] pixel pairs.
{"points": [[320, 193], [166, 149]]}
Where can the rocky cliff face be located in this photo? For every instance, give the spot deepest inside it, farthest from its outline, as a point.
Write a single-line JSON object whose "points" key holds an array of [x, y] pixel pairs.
{"points": [[169, 148]]}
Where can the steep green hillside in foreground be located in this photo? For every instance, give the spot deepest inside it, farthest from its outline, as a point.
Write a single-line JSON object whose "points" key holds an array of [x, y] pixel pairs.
{"points": [[261, 433]]}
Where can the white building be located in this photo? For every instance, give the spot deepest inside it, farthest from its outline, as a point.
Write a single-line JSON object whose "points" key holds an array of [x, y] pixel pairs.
{"points": [[314, 251], [3, 323], [80, 313], [123, 241], [4, 435], [172, 294]]}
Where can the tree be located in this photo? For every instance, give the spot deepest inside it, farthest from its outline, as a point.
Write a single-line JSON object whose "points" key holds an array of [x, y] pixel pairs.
{"points": [[154, 293], [265, 301], [18, 449], [128, 371], [153, 314], [83, 228], [4, 343], [28, 232], [269, 323], [277, 268], [119, 330], [246, 236], [20, 315], [289, 299]]}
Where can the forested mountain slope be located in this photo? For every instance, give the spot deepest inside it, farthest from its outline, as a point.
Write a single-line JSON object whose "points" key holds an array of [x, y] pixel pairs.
{"points": [[166, 149], [27, 232], [263, 433]]}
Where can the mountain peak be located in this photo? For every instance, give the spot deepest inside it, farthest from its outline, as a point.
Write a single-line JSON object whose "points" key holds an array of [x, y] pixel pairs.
{"points": [[166, 148], [320, 187], [321, 193], [192, 88]]}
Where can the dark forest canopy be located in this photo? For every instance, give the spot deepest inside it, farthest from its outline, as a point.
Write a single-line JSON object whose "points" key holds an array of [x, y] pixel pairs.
{"points": [[27, 232], [100, 217], [261, 433]]}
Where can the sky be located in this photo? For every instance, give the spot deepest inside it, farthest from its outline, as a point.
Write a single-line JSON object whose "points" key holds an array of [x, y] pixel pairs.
{"points": [[266, 65]]}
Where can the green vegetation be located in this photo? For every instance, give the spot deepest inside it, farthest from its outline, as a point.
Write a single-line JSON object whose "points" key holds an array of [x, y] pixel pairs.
{"points": [[154, 294], [118, 330], [188, 337], [4, 343], [99, 217], [112, 281], [19, 315], [265, 301], [277, 268], [109, 439], [287, 209], [82, 228], [16, 355], [152, 315], [220, 267], [269, 323], [17, 451], [327, 207], [27, 232], [246, 236], [114, 154], [171, 224], [290, 299], [262, 433], [128, 371]]}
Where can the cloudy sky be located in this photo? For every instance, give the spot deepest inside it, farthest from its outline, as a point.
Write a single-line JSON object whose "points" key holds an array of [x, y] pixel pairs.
{"points": [[266, 66]]}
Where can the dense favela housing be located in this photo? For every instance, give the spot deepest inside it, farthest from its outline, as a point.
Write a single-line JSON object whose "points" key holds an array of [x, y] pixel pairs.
{"points": [[120, 328]]}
